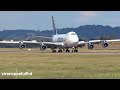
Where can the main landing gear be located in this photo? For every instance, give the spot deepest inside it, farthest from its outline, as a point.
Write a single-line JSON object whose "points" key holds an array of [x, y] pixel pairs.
{"points": [[56, 51], [59, 50], [74, 50], [67, 50], [53, 50]]}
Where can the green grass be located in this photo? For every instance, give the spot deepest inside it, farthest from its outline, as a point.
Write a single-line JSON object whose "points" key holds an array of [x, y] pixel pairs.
{"points": [[60, 65]]}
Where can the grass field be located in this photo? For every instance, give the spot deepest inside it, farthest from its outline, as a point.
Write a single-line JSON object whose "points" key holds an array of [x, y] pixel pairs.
{"points": [[45, 65]]}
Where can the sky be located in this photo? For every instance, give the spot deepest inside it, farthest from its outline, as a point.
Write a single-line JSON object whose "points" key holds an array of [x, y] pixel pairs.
{"points": [[42, 20]]}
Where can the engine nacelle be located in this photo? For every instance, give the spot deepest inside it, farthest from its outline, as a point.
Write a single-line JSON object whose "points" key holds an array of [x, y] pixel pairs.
{"points": [[104, 45], [43, 47], [22, 46], [90, 46]]}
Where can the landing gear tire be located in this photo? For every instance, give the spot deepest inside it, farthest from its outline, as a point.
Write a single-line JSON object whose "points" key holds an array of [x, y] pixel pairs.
{"points": [[74, 50], [67, 50], [60, 50], [53, 51]]}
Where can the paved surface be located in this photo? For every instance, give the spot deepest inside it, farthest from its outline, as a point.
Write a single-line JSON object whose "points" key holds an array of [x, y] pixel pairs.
{"points": [[79, 53]]}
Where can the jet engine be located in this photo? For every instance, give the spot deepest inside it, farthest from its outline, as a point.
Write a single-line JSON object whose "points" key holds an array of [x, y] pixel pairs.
{"points": [[90, 46], [105, 44], [43, 47], [22, 46]]}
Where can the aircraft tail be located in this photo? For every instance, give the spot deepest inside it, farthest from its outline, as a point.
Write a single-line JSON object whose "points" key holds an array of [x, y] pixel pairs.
{"points": [[54, 28]]}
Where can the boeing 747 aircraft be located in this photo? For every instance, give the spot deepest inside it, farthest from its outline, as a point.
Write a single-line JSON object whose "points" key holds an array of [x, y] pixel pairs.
{"points": [[62, 41]]}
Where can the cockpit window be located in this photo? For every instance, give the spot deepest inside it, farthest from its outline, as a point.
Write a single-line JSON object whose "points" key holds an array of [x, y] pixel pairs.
{"points": [[73, 33]]}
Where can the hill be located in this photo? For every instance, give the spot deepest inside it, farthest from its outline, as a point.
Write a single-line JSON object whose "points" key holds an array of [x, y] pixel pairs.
{"points": [[85, 32]]}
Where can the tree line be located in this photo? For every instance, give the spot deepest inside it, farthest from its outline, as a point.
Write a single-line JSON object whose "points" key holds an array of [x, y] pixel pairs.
{"points": [[85, 32]]}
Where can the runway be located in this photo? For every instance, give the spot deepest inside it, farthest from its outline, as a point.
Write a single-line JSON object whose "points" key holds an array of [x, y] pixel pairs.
{"points": [[81, 52], [87, 53]]}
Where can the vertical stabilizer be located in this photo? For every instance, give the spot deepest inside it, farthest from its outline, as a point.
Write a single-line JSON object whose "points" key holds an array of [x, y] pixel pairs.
{"points": [[54, 28]]}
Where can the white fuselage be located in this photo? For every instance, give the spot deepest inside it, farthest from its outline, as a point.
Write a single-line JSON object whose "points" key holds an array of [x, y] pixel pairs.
{"points": [[69, 40]]}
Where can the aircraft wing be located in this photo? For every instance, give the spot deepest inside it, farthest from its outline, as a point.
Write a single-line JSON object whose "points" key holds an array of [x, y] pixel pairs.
{"points": [[114, 40], [17, 42], [82, 42], [32, 42], [98, 41], [9, 42], [45, 43]]}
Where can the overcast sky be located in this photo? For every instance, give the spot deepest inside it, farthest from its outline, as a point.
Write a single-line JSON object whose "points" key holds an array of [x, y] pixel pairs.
{"points": [[42, 20]]}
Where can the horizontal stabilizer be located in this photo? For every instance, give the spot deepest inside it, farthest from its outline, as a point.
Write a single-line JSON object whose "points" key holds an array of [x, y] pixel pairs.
{"points": [[43, 37]]}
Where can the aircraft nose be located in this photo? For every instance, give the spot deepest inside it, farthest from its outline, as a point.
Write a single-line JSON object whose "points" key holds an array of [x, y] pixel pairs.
{"points": [[75, 42]]}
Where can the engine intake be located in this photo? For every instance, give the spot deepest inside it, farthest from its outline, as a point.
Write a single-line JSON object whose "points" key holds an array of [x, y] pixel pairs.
{"points": [[43, 47], [104, 45], [90, 46], [22, 46]]}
